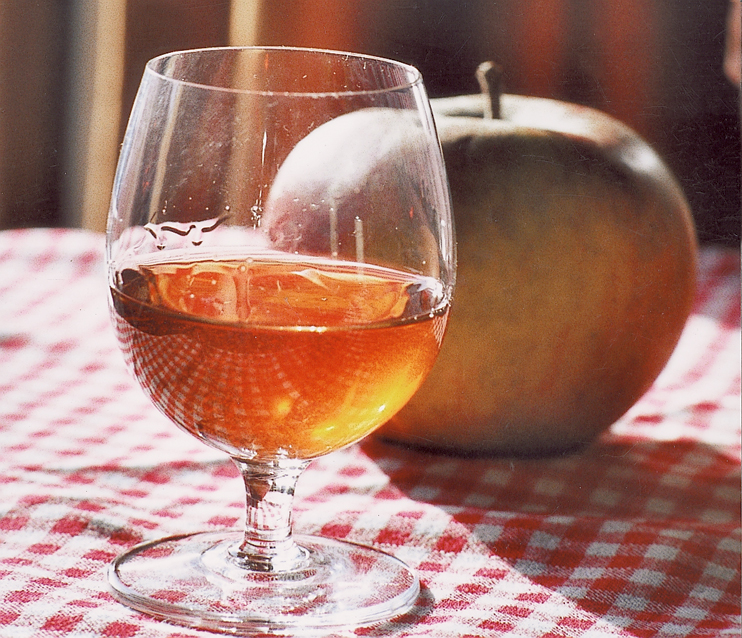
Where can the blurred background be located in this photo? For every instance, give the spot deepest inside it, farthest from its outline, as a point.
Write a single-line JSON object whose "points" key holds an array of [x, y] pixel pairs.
{"points": [[69, 70]]}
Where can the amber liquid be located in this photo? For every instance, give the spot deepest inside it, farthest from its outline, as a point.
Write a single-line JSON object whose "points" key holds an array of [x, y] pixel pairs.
{"points": [[274, 358]]}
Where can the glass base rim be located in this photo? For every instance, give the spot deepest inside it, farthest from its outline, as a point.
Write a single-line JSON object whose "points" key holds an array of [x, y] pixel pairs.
{"points": [[326, 594]]}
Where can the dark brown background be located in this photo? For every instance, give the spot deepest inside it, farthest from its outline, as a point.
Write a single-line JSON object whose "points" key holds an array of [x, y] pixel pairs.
{"points": [[656, 65]]}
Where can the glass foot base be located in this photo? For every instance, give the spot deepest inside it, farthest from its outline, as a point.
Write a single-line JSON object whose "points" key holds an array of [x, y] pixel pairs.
{"points": [[194, 580]]}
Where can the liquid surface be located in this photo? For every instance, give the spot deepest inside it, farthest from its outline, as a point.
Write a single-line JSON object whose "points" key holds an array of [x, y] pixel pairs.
{"points": [[277, 359]]}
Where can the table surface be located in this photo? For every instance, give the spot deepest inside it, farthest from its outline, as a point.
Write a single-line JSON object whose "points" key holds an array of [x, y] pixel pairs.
{"points": [[638, 535]]}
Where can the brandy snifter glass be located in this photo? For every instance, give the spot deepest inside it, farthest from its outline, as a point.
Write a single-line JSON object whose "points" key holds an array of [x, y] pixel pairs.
{"points": [[280, 258]]}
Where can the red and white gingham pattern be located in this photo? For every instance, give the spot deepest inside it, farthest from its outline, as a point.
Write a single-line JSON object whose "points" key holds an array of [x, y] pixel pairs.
{"points": [[639, 535]]}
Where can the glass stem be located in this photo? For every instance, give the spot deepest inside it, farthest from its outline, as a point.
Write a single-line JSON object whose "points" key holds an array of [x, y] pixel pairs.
{"points": [[268, 545]]}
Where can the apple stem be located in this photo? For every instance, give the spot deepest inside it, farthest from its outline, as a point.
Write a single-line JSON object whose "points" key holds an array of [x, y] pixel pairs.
{"points": [[489, 76]]}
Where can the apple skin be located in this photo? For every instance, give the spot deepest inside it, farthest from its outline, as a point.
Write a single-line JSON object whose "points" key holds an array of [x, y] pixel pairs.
{"points": [[576, 275], [357, 168]]}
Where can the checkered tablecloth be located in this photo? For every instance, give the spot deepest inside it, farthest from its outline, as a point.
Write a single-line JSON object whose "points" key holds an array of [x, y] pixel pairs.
{"points": [[638, 535]]}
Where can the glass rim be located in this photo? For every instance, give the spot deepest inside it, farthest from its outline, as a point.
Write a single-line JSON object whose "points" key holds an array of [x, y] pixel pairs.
{"points": [[414, 75]]}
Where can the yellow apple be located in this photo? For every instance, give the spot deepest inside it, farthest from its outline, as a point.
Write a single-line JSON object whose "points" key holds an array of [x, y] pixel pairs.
{"points": [[576, 275]]}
